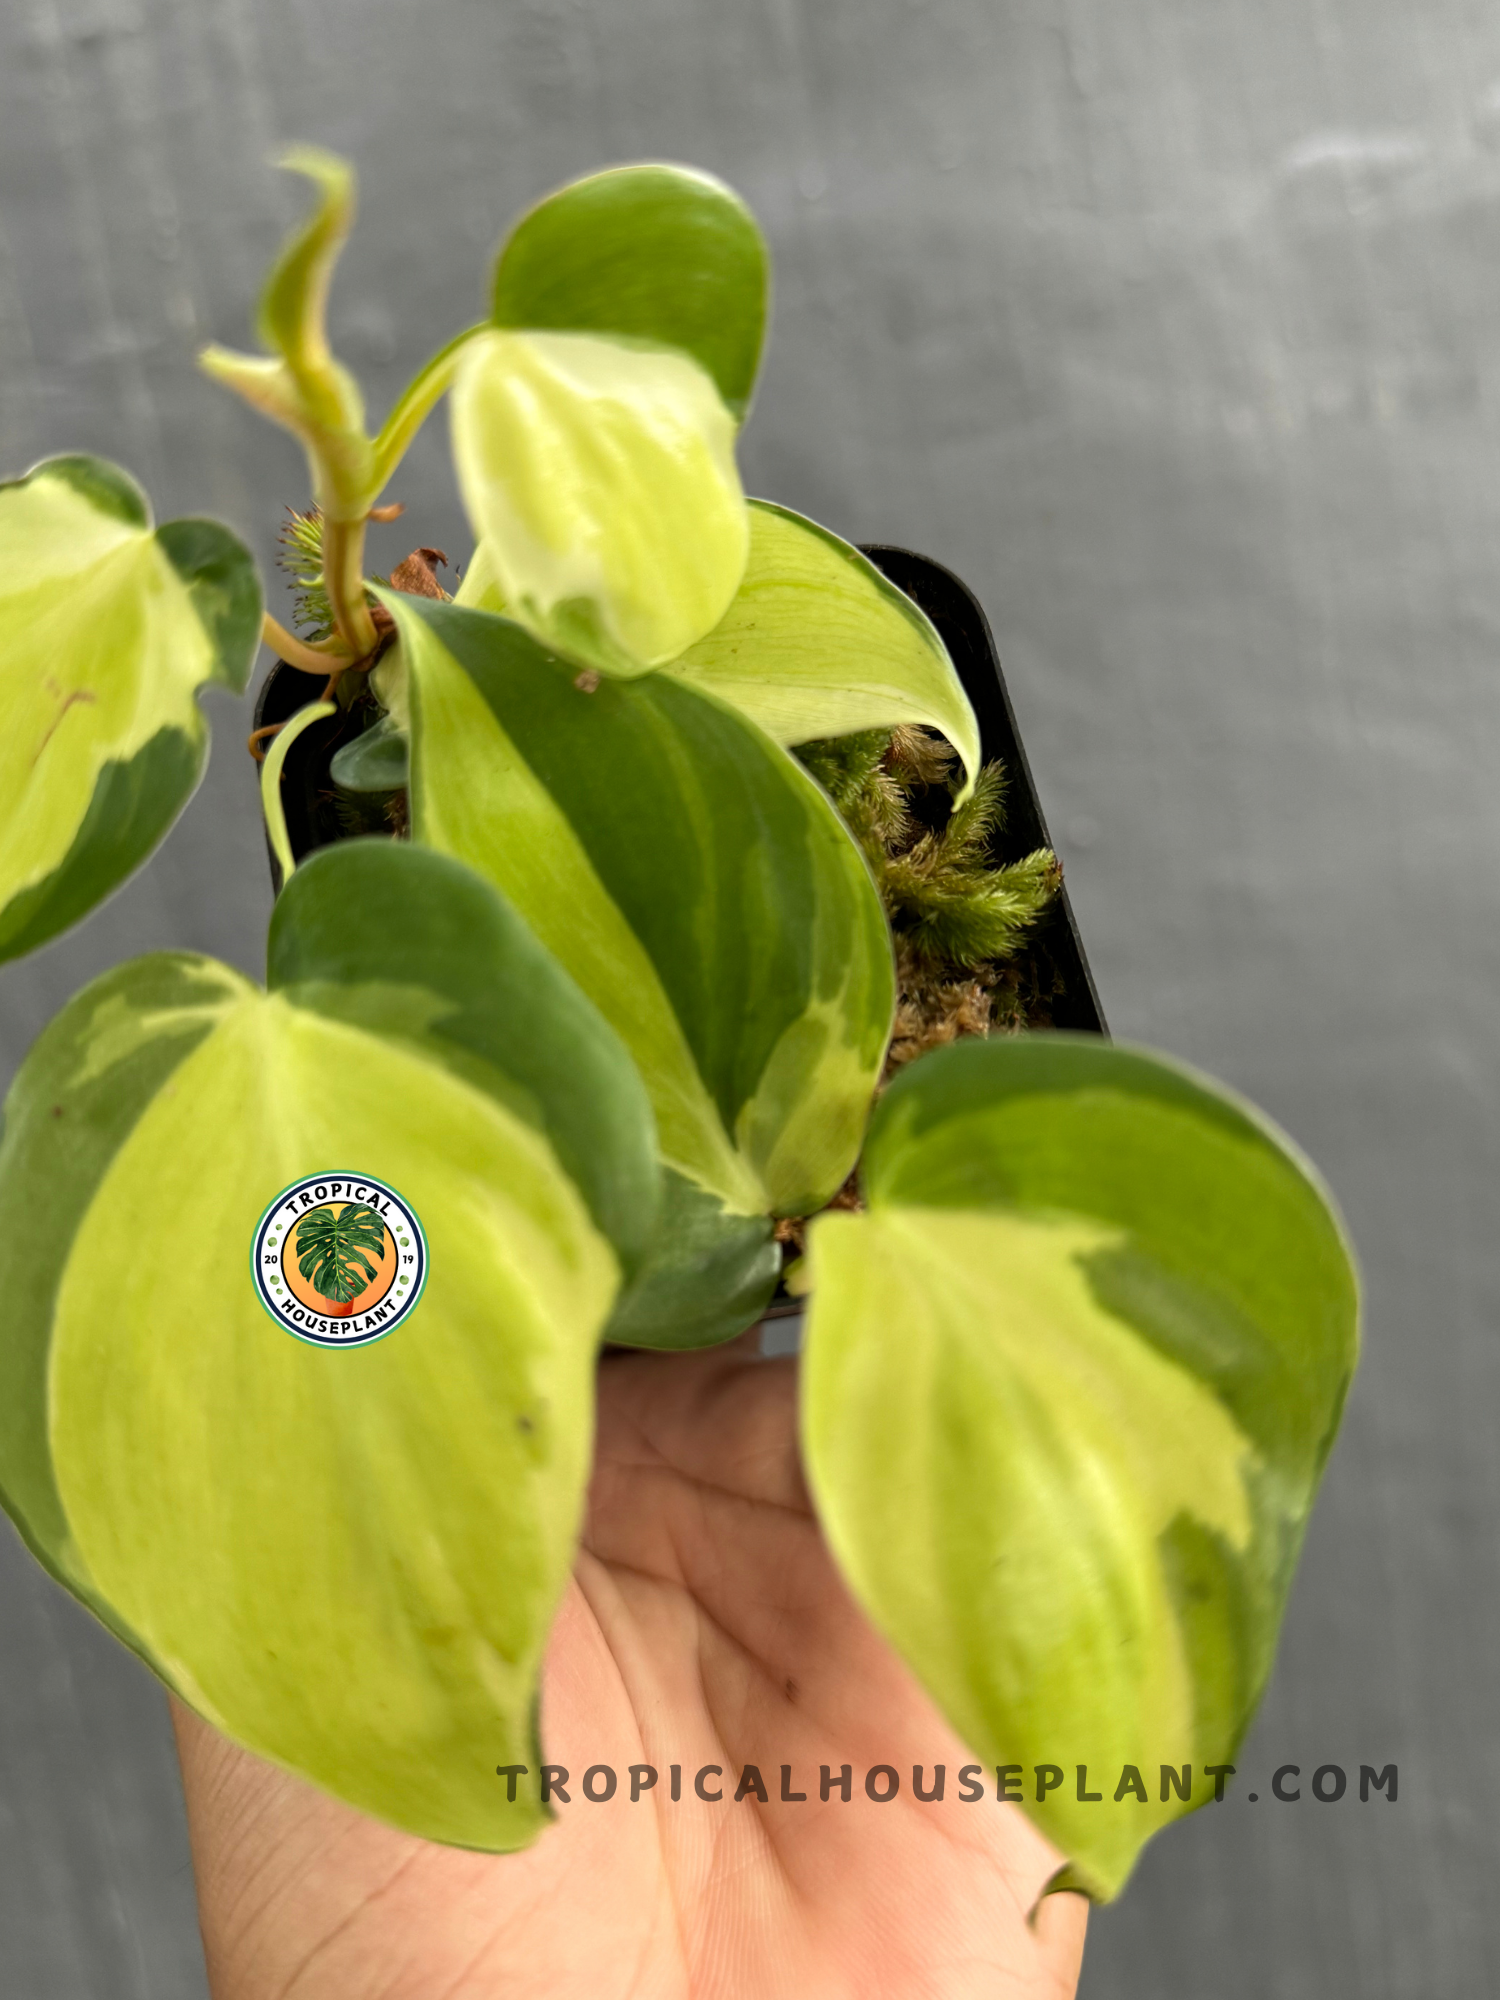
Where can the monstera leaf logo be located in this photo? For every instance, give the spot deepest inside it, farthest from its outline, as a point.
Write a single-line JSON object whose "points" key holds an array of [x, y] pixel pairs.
{"points": [[331, 1252], [339, 1259]]}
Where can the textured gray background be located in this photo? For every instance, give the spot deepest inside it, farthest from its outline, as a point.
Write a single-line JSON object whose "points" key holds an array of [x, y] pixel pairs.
{"points": [[1171, 325]]}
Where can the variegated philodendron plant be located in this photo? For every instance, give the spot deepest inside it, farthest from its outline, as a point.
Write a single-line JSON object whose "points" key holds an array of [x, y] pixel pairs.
{"points": [[1072, 1365]]}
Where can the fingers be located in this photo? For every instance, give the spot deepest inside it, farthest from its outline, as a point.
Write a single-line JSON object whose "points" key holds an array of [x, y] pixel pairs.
{"points": [[1059, 1924]]}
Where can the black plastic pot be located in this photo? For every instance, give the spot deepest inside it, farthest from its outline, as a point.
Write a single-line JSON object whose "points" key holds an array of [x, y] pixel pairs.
{"points": [[307, 796], [312, 819], [964, 630]]}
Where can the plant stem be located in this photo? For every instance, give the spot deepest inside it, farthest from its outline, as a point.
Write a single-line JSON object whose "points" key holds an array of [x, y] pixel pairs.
{"points": [[270, 782], [415, 401], [307, 658], [344, 580]]}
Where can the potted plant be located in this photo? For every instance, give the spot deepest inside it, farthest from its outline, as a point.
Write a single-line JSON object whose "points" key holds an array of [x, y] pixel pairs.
{"points": [[613, 874]]}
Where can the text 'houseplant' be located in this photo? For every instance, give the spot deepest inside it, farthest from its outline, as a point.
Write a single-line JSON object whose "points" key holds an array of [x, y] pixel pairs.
{"points": [[619, 1001]]}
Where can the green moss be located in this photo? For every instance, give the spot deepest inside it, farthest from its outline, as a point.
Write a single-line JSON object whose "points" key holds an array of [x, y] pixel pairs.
{"points": [[962, 920]]}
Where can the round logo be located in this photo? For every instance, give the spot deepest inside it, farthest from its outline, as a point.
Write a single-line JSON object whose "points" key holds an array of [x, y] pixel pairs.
{"points": [[339, 1259]]}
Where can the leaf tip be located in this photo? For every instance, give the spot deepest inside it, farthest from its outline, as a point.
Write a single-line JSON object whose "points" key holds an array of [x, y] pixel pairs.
{"points": [[328, 171]]}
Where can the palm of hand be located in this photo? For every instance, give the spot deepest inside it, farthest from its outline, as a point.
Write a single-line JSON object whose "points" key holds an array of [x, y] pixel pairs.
{"points": [[705, 1625]]}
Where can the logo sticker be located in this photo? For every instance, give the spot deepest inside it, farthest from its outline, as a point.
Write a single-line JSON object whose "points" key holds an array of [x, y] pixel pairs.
{"points": [[339, 1260]]}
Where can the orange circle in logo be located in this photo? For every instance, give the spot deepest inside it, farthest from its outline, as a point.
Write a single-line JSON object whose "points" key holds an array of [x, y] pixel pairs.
{"points": [[374, 1291]]}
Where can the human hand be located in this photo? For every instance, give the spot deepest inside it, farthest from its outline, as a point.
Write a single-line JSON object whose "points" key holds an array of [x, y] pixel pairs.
{"points": [[705, 1625]]}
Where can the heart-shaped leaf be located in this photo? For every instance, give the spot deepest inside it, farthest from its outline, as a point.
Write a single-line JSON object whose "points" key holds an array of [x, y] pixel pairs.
{"points": [[654, 253], [108, 629], [691, 878], [1069, 1386], [600, 478], [378, 760], [818, 643], [594, 430], [414, 947], [302, 1541]]}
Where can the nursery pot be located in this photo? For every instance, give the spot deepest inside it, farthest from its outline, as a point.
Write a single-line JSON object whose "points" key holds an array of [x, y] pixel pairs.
{"points": [[312, 820], [964, 630], [307, 791]]}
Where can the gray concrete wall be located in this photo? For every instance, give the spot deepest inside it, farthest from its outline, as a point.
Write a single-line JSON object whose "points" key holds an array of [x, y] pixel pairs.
{"points": [[1171, 325]]}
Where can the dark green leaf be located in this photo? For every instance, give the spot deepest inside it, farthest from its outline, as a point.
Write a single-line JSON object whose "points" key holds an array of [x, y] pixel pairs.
{"points": [[708, 1275], [413, 945], [376, 761], [659, 253]]}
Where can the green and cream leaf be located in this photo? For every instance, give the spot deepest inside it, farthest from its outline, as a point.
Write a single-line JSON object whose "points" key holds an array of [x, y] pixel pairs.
{"points": [[656, 253], [818, 643], [600, 481], [699, 888], [451, 969], [1069, 1385], [108, 629], [82, 1088], [687, 873], [303, 1542]]}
